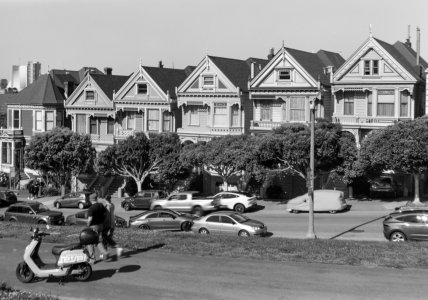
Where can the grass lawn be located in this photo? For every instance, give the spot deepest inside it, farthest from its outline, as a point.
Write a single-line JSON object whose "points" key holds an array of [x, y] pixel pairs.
{"points": [[359, 253]]}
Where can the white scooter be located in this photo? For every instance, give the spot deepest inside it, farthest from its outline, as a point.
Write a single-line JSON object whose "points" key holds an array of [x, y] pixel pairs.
{"points": [[72, 260]]}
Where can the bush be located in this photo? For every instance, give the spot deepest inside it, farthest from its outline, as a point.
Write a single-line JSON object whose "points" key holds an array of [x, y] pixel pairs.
{"points": [[275, 192], [50, 191]]}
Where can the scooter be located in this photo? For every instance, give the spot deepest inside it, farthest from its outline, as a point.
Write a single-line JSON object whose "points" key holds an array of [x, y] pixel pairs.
{"points": [[71, 260]]}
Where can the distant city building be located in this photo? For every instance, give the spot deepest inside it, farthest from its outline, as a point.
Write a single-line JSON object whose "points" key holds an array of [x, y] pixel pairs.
{"points": [[24, 75]]}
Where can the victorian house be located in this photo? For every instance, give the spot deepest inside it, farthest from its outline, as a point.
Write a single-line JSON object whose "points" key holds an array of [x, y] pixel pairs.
{"points": [[214, 99], [378, 85], [281, 92], [91, 107], [147, 101]]}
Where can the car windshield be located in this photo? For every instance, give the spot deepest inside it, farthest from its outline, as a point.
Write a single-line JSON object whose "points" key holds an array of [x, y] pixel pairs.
{"points": [[40, 208], [239, 218]]}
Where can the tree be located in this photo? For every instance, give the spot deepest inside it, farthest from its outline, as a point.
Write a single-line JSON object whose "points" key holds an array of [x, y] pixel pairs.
{"points": [[399, 147], [61, 154], [287, 148], [227, 156], [138, 156]]}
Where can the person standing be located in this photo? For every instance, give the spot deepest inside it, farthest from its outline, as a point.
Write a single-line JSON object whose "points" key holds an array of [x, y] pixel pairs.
{"points": [[97, 214], [109, 226]]}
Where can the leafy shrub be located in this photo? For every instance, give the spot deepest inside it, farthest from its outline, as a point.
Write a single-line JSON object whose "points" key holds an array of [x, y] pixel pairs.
{"points": [[50, 191]]}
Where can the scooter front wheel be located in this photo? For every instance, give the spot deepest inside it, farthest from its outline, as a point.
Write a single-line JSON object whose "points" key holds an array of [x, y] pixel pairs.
{"points": [[24, 273], [85, 271]]}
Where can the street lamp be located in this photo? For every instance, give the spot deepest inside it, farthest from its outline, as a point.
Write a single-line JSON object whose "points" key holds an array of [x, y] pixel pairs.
{"points": [[311, 228]]}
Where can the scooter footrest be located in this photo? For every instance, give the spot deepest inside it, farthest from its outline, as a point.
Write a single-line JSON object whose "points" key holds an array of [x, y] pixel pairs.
{"points": [[56, 250]]}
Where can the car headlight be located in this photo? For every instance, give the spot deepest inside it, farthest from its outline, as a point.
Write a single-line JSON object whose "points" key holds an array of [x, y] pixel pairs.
{"points": [[256, 227]]}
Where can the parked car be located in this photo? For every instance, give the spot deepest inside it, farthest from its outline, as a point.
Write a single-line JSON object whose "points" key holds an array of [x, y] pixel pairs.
{"points": [[330, 201], [384, 186], [162, 219], [406, 225], [228, 223], [81, 199], [81, 218], [409, 206], [7, 198], [143, 199], [237, 201], [33, 212]]}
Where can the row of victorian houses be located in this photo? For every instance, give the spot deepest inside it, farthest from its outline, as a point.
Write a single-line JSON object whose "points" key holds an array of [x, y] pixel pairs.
{"points": [[379, 84]]}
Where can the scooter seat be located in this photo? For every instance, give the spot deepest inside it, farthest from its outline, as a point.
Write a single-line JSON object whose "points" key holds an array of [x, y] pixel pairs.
{"points": [[56, 250]]}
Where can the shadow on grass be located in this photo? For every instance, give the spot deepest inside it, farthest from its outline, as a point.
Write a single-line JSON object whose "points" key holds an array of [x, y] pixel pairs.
{"points": [[129, 253]]}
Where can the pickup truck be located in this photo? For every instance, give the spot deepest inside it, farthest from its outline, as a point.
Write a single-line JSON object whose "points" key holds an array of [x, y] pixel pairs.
{"points": [[186, 202]]}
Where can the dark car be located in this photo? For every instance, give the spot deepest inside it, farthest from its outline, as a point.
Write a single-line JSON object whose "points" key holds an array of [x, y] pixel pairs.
{"points": [[384, 186], [143, 199], [406, 225], [7, 198], [81, 218], [81, 199], [162, 219], [33, 212]]}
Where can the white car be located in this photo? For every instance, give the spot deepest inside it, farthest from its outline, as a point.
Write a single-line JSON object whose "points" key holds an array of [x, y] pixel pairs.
{"points": [[237, 201], [330, 201]]}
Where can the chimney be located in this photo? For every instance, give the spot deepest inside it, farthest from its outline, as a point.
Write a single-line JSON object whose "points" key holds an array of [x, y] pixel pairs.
{"points": [[252, 69], [418, 45], [270, 55], [68, 88], [408, 43], [108, 70], [160, 64]]}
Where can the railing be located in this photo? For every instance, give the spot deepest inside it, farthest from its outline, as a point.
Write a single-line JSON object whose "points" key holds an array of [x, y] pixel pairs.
{"points": [[265, 125], [102, 138], [125, 132], [11, 132], [370, 121], [226, 130]]}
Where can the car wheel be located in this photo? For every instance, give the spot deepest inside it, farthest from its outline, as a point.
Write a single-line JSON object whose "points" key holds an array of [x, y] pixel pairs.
{"points": [[126, 206], [186, 226], [157, 207], [197, 211], [42, 222], [244, 233], [397, 236], [81, 206], [204, 231], [144, 227], [58, 205], [239, 208]]}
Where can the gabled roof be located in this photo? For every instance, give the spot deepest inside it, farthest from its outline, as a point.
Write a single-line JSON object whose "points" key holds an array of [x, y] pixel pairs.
{"points": [[62, 76], [237, 71], [314, 63], [5, 99], [168, 79], [109, 83], [41, 92]]}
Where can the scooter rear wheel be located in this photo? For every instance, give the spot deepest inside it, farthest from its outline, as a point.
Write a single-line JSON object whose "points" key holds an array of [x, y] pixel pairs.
{"points": [[85, 270], [24, 273]]}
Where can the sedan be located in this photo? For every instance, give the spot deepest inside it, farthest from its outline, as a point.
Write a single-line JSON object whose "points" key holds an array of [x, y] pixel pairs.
{"points": [[80, 200], [228, 223], [162, 219], [81, 218], [143, 199], [406, 225]]}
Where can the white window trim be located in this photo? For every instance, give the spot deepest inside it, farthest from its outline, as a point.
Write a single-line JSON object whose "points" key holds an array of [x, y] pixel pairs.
{"points": [[89, 90], [46, 119], [142, 82], [197, 118], [208, 87], [285, 69], [41, 120]]}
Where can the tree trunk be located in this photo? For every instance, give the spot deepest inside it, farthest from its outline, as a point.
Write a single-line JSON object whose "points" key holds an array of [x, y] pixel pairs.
{"points": [[350, 191], [417, 199], [139, 184], [62, 190], [226, 185]]}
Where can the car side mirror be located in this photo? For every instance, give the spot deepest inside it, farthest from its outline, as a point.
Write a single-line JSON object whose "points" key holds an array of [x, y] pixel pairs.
{"points": [[31, 212]]}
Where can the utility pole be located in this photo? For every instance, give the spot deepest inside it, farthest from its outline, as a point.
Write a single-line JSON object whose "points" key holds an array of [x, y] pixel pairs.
{"points": [[311, 227]]}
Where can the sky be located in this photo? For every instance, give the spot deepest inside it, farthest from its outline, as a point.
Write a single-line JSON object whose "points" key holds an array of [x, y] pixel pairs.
{"points": [[71, 34]]}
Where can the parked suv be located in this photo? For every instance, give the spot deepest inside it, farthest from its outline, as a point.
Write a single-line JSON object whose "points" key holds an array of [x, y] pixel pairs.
{"points": [[143, 199], [406, 225], [33, 212], [384, 186], [237, 201]]}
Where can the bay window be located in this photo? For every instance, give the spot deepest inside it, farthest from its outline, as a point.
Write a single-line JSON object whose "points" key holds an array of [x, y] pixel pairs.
{"points": [[38, 121], [266, 111], [49, 121], [404, 103], [153, 119], [220, 114], [297, 108], [193, 115], [385, 103], [348, 104]]}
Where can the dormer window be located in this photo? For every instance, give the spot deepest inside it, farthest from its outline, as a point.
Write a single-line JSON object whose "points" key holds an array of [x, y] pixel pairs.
{"points": [[371, 67], [142, 89], [90, 95], [284, 75], [208, 82]]}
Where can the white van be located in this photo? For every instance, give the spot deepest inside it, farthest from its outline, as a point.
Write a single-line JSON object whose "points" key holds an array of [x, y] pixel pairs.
{"points": [[330, 201]]}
